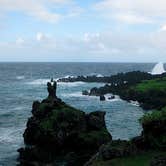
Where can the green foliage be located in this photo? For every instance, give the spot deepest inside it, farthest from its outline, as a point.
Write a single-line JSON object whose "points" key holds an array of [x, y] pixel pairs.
{"points": [[61, 116], [43, 106], [154, 116], [155, 84]]}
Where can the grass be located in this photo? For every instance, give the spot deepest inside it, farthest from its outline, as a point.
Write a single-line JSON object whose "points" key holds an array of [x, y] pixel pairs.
{"points": [[155, 84], [143, 159]]}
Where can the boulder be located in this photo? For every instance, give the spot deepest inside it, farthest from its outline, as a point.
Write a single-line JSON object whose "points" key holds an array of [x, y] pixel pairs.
{"points": [[111, 97], [94, 92], [95, 120], [85, 92], [102, 98]]}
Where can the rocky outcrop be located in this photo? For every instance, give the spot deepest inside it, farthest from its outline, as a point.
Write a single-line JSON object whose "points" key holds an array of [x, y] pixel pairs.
{"points": [[125, 85], [116, 149], [85, 92], [131, 77], [158, 161], [154, 133], [102, 98], [150, 142], [58, 132]]}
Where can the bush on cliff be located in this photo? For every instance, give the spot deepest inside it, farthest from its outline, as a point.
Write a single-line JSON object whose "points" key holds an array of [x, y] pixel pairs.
{"points": [[154, 128]]}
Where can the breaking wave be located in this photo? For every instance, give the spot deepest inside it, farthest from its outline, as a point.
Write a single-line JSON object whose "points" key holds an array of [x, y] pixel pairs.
{"points": [[44, 82], [20, 77], [158, 69]]}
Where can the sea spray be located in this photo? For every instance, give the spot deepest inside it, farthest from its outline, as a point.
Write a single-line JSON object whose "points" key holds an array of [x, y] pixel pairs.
{"points": [[158, 69]]}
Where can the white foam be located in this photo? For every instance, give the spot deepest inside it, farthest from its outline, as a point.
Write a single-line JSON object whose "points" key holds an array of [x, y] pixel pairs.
{"points": [[117, 98], [73, 84], [75, 94], [39, 82], [135, 103], [158, 69], [44, 82], [20, 77], [99, 75], [69, 76]]}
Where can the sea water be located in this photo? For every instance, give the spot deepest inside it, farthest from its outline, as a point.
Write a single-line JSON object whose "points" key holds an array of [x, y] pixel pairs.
{"points": [[22, 83]]}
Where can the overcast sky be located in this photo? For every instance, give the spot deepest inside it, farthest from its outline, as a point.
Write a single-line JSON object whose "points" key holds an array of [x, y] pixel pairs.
{"points": [[83, 30]]}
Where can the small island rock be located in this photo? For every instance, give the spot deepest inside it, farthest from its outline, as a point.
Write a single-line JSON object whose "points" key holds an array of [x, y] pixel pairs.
{"points": [[102, 98]]}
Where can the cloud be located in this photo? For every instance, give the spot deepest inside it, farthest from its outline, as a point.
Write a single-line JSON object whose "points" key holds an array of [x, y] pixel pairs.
{"points": [[100, 46], [134, 11], [163, 28], [132, 18], [91, 36], [41, 36], [39, 9], [19, 41]]}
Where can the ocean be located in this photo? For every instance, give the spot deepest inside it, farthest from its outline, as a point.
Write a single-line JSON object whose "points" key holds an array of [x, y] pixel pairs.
{"points": [[22, 83]]}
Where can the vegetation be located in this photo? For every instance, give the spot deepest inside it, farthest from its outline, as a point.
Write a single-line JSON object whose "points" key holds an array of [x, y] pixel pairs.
{"points": [[148, 90], [154, 116], [62, 117], [155, 84], [143, 159]]}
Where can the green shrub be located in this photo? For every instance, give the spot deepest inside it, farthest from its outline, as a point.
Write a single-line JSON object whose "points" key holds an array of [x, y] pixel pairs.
{"points": [[154, 116]]}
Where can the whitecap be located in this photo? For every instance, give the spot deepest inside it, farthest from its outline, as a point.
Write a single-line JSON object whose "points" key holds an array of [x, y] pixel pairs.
{"points": [[78, 94], [135, 103], [75, 94], [65, 77], [39, 82], [44, 82], [117, 98], [73, 84], [99, 75], [69, 76], [20, 77]]}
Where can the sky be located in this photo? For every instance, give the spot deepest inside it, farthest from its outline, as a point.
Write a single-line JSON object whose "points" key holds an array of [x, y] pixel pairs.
{"points": [[83, 30]]}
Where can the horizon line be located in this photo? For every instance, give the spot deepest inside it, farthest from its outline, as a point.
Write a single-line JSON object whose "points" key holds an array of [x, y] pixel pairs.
{"points": [[74, 62]]}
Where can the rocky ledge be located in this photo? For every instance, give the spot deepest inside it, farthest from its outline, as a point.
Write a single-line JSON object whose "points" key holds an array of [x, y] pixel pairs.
{"points": [[148, 149], [58, 134]]}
